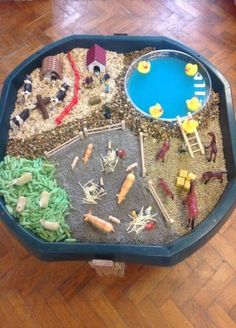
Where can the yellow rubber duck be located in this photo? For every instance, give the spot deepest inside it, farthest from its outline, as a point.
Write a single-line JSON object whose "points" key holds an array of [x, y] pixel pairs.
{"points": [[190, 125], [193, 104], [156, 111], [191, 69], [144, 67]]}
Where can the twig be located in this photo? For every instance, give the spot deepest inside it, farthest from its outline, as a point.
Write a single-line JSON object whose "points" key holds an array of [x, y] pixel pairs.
{"points": [[142, 154], [107, 128], [92, 191], [167, 218], [139, 223], [110, 160], [64, 145]]}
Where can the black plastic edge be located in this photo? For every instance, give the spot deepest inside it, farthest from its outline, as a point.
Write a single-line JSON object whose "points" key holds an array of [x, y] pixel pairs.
{"points": [[156, 255]]}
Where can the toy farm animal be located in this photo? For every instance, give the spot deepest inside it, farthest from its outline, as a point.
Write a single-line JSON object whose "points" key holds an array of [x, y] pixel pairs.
{"points": [[61, 93], [212, 147], [164, 186], [99, 223], [107, 112], [125, 188], [191, 203], [87, 153], [27, 87], [161, 154], [207, 176], [88, 82]]}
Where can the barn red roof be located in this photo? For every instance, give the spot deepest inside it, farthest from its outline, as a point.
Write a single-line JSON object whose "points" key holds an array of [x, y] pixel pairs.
{"points": [[96, 53]]}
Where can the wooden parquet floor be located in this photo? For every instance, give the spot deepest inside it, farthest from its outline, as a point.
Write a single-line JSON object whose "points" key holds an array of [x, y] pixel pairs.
{"points": [[199, 292]]}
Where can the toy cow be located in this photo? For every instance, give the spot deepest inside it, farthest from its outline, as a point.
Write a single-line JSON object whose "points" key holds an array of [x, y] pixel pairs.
{"points": [[17, 121], [61, 93], [27, 87]]}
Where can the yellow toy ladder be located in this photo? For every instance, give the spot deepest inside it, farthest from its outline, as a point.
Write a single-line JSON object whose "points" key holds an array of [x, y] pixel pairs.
{"points": [[196, 144]]}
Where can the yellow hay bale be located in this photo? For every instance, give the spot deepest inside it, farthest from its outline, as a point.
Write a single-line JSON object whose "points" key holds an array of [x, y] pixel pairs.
{"points": [[180, 182], [183, 173]]}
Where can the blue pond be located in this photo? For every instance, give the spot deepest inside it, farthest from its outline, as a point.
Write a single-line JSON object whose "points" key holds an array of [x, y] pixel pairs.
{"points": [[166, 84]]}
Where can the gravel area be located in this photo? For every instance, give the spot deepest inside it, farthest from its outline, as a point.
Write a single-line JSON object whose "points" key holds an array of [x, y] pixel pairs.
{"points": [[138, 196]]}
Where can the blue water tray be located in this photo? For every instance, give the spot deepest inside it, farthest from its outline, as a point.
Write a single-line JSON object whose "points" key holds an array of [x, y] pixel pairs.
{"points": [[167, 84], [155, 255]]}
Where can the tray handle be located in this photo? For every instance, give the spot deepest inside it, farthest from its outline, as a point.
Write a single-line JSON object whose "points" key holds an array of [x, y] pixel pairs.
{"points": [[120, 34]]}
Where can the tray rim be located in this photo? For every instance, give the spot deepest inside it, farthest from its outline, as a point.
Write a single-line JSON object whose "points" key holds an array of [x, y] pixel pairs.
{"points": [[164, 255]]}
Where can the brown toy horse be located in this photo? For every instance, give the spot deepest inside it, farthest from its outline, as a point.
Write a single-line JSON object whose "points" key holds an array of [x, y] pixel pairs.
{"points": [[191, 202], [212, 147], [164, 149], [165, 188], [207, 176]]}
